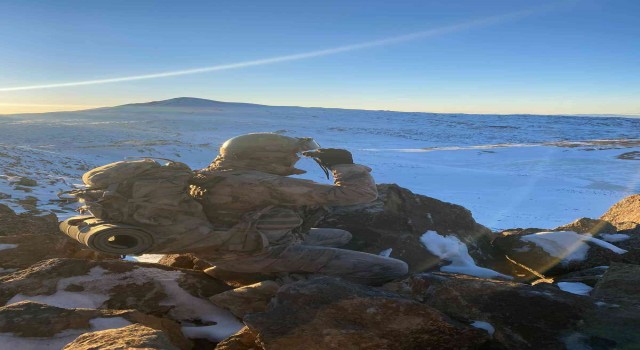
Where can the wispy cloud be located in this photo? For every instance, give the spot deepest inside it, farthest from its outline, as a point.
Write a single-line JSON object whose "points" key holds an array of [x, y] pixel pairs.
{"points": [[458, 27]]}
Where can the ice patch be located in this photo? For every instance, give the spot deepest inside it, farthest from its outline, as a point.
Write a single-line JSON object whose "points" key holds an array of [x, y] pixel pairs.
{"points": [[567, 245], [484, 325], [614, 237], [575, 288], [8, 246], [386, 252], [450, 248]]}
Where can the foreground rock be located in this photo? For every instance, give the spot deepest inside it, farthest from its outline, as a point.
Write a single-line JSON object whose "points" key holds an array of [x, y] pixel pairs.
{"points": [[12, 224], [522, 316], [154, 289], [33, 325], [587, 225], [134, 336], [249, 299], [328, 313], [625, 214], [21, 251], [399, 217]]}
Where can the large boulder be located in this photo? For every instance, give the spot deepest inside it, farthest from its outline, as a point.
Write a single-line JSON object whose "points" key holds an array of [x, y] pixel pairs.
{"points": [[248, 299], [31, 325], [587, 225], [329, 313], [522, 316], [21, 251], [134, 336], [397, 220], [625, 214], [181, 295], [245, 339]]}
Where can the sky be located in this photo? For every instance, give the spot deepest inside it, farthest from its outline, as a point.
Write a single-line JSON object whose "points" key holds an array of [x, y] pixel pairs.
{"points": [[458, 56]]}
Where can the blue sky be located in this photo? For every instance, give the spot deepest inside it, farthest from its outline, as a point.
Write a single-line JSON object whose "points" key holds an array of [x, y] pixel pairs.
{"points": [[550, 57]]}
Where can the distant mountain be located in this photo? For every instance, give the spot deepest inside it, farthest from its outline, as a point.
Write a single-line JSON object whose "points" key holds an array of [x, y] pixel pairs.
{"points": [[186, 102]]}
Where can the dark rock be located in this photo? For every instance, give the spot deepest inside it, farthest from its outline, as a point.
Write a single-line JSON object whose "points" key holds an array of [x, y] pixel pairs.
{"points": [[25, 181], [27, 320], [245, 339], [589, 276], [399, 217], [329, 313], [134, 336], [590, 226], [524, 316], [248, 299], [184, 261], [620, 285]]}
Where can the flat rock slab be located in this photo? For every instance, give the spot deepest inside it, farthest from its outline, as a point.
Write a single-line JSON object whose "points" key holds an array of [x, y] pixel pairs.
{"points": [[329, 313], [134, 336]]}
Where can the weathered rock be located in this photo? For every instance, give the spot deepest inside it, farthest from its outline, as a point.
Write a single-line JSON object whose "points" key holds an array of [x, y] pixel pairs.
{"points": [[184, 261], [567, 258], [329, 313], [524, 316], [590, 226], [245, 339], [25, 250], [29, 322], [617, 318], [398, 218], [247, 299], [20, 224], [589, 276], [25, 181], [624, 212], [134, 336], [162, 291]]}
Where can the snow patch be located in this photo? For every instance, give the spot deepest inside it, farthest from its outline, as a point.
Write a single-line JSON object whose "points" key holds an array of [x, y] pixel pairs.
{"points": [[567, 245], [386, 252], [575, 287], [8, 246], [450, 248], [148, 258], [484, 325], [103, 323], [614, 237]]}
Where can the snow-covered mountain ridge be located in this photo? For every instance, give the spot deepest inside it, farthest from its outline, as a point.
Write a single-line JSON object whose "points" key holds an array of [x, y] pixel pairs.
{"points": [[510, 171]]}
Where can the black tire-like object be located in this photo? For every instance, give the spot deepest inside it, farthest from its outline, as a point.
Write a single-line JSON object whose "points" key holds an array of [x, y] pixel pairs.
{"points": [[107, 237]]}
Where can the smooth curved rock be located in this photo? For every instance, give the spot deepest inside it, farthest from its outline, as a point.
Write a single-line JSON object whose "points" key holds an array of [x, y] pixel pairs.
{"points": [[134, 336], [625, 213]]}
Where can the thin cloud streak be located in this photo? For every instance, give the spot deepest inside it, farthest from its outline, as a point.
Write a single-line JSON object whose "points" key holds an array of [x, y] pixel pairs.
{"points": [[487, 21]]}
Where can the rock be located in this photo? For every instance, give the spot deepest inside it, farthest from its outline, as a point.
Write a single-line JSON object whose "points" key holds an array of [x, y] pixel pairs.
{"points": [[13, 224], [154, 289], [25, 250], [523, 316], [568, 252], [617, 318], [247, 299], [52, 327], [589, 276], [329, 313], [134, 336], [184, 261], [590, 226], [25, 181], [245, 339], [398, 218], [620, 285], [624, 212]]}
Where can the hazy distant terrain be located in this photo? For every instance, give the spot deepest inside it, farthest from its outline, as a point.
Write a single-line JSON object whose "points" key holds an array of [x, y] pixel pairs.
{"points": [[510, 171]]}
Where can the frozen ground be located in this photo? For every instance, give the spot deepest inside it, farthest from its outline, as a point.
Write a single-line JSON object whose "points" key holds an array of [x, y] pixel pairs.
{"points": [[510, 171]]}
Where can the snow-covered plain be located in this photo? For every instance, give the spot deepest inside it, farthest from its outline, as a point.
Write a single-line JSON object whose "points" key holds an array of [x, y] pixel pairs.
{"points": [[510, 171]]}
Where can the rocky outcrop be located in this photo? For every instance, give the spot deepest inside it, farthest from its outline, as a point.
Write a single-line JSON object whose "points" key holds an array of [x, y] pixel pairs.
{"points": [[12, 224], [590, 226], [245, 339], [49, 327], [523, 316], [134, 336], [625, 214], [22, 251], [328, 313], [398, 218], [154, 289]]}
